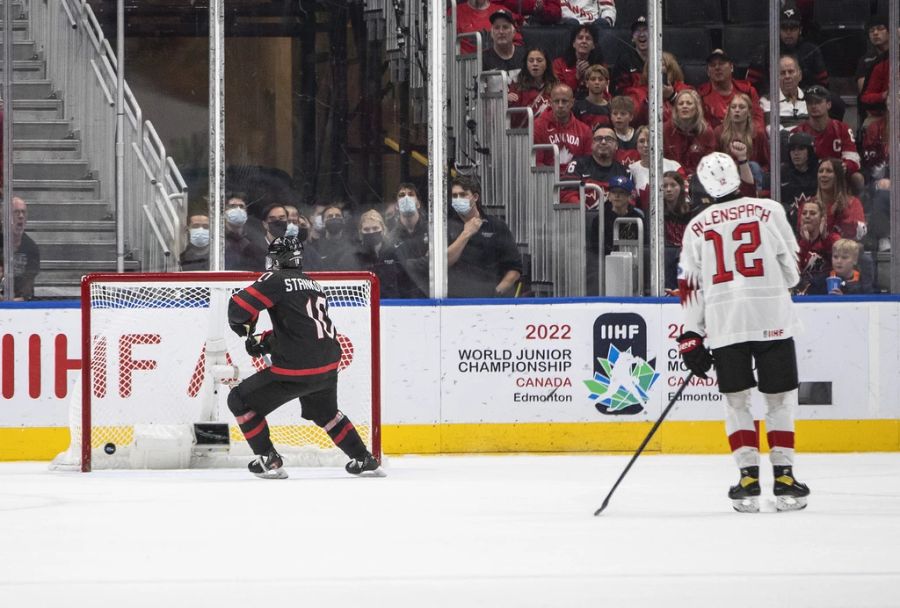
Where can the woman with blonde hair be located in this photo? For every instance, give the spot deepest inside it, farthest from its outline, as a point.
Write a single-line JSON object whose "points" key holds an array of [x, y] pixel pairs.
{"points": [[640, 170], [738, 125], [374, 253], [843, 210], [686, 136], [815, 242]]}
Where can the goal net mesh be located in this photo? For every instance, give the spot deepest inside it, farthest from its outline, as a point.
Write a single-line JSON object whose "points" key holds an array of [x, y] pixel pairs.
{"points": [[163, 358]]}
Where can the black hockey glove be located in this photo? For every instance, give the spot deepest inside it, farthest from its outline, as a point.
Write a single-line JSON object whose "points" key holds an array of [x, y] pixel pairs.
{"points": [[243, 329], [694, 354], [259, 344]]}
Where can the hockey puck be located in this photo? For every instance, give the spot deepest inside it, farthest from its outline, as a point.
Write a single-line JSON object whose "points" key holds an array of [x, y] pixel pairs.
{"points": [[110, 448]]}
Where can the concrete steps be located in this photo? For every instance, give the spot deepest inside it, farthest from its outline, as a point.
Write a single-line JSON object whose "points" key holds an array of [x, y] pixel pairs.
{"points": [[67, 216], [67, 210], [27, 69], [57, 189], [62, 278], [46, 149], [27, 110], [57, 169]]}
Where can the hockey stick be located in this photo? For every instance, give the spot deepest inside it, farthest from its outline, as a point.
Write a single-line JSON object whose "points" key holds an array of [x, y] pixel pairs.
{"points": [[645, 442]]}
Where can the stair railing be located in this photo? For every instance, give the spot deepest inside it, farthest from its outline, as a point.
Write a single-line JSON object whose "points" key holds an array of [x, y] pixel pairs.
{"points": [[82, 65]]}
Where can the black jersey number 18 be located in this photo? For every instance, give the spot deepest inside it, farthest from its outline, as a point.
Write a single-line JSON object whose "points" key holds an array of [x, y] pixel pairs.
{"points": [[317, 309]]}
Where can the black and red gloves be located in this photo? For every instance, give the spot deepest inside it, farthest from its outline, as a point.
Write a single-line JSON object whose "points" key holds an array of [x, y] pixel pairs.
{"points": [[694, 354]]}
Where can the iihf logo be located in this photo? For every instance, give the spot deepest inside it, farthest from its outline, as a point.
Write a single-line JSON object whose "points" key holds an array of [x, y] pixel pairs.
{"points": [[622, 375]]}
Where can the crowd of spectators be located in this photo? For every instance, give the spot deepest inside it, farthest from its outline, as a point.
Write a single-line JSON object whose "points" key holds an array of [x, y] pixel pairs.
{"points": [[595, 109]]}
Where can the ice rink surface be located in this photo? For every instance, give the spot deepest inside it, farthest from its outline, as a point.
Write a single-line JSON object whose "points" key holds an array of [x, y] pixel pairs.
{"points": [[462, 531]]}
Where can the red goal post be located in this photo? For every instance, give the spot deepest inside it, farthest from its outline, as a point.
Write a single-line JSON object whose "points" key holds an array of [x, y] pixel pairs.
{"points": [[158, 356]]}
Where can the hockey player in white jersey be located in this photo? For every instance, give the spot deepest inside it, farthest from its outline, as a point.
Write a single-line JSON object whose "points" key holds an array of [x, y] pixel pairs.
{"points": [[738, 263]]}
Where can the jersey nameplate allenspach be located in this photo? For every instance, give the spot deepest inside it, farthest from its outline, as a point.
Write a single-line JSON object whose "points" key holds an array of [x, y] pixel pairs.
{"points": [[298, 284], [730, 214]]}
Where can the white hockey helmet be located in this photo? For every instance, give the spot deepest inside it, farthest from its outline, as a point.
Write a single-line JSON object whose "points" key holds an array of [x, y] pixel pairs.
{"points": [[718, 174]]}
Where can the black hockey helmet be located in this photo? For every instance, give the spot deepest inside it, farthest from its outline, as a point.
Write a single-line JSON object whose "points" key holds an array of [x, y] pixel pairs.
{"points": [[284, 252]]}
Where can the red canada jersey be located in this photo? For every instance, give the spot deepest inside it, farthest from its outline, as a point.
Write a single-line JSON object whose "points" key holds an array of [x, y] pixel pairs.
{"points": [[851, 222], [758, 153], [875, 146], [834, 141], [715, 104], [572, 138], [687, 150], [815, 256]]}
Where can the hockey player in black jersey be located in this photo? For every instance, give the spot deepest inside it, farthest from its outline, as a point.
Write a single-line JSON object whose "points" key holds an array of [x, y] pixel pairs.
{"points": [[305, 357]]}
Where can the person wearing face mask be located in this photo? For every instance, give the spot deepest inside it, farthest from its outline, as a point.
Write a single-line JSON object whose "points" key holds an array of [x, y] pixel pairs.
{"points": [[312, 261], [483, 260], [375, 254], [275, 218], [196, 255], [410, 242], [334, 246], [244, 250]]}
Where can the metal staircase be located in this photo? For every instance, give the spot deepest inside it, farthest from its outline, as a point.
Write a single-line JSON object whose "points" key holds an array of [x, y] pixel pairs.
{"points": [[63, 144]]}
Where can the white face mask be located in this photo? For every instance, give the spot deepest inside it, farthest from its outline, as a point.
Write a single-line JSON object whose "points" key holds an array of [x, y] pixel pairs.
{"points": [[318, 223], [406, 205], [461, 205], [199, 237], [236, 216], [292, 230]]}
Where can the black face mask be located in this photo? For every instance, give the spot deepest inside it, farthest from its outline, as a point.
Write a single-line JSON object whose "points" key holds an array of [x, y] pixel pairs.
{"points": [[371, 239], [302, 233], [334, 225], [277, 228]]}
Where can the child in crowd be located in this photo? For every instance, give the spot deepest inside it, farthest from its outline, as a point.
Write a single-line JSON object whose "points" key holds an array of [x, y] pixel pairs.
{"points": [[622, 113], [845, 278], [594, 109]]}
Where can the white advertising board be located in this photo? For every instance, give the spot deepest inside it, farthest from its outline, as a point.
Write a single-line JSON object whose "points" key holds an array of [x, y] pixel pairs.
{"points": [[515, 363]]}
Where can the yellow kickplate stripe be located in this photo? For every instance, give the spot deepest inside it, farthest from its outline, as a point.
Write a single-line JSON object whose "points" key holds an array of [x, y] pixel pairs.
{"points": [[673, 437]]}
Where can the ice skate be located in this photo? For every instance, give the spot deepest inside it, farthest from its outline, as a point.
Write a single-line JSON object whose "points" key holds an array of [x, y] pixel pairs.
{"points": [[368, 466], [790, 494], [270, 466], [745, 494]]}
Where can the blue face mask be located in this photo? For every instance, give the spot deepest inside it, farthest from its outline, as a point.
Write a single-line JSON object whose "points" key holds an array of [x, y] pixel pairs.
{"points": [[461, 205], [199, 237], [406, 205], [292, 230], [236, 216]]}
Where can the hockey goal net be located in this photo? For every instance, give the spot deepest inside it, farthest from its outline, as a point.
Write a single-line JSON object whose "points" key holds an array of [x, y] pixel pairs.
{"points": [[158, 361]]}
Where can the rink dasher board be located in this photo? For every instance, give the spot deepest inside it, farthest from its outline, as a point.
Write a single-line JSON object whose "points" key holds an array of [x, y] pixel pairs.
{"points": [[436, 390]]}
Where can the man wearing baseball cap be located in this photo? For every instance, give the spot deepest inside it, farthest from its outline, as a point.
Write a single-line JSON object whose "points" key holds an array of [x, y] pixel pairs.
{"points": [[721, 89], [873, 90], [630, 64], [475, 16], [619, 204], [812, 63], [503, 54], [833, 138]]}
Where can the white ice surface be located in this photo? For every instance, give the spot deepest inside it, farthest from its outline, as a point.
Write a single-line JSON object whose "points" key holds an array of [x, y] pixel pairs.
{"points": [[464, 531]]}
